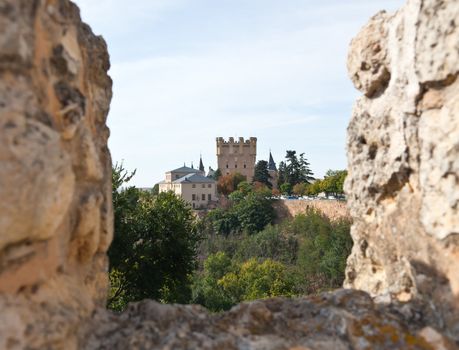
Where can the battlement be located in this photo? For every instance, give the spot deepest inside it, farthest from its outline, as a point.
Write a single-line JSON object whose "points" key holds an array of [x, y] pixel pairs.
{"points": [[237, 156], [231, 141]]}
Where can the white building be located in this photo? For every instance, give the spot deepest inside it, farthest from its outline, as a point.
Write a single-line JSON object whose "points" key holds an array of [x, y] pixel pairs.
{"points": [[191, 184]]}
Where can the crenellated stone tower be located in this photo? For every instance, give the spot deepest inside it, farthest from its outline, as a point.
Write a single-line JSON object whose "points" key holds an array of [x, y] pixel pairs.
{"points": [[237, 156]]}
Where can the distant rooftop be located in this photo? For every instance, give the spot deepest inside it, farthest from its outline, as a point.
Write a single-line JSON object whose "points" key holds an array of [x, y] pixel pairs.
{"points": [[194, 178], [185, 169]]}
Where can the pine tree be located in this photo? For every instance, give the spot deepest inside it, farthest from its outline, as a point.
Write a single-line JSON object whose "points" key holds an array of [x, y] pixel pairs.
{"points": [[295, 170], [262, 174]]}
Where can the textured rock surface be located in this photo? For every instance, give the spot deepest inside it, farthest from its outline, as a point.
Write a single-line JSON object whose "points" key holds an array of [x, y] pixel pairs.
{"points": [[403, 153], [341, 320], [55, 173]]}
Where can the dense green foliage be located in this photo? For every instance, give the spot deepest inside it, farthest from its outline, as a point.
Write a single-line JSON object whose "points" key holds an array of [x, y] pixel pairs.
{"points": [[301, 256], [224, 283], [286, 188], [294, 170], [153, 252], [261, 173], [249, 211], [242, 254], [332, 183]]}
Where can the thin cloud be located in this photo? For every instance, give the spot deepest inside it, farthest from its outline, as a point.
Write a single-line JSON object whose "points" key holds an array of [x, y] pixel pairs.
{"points": [[185, 72]]}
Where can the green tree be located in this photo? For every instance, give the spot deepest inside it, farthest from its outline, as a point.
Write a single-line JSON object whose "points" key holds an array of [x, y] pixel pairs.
{"points": [[206, 289], [217, 174], [250, 212], [155, 189], [254, 212], [261, 173], [286, 188], [294, 170], [300, 189], [315, 188], [282, 174], [254, 280], [270, 243], [334, 181], [154, 248], [223, 221], [245, 188], [224, 283], [297, 169], [324, 248]]}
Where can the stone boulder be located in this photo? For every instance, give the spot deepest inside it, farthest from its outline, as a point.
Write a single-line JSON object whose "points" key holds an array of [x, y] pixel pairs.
{"points": [[55, 174], [403, 154], [342, 320]]}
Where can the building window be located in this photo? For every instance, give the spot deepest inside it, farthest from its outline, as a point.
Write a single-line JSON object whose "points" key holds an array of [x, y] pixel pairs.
{"points": [[193, 185], [209, 185], [245, 166], [235, 165], [209, 197], [203, 185], [226, 166], [193, 197], [203, 197], [193, 205]]}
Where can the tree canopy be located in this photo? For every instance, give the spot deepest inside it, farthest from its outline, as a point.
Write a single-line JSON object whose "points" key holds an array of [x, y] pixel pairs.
{"points": [[154, 247], [261, 173], [228, 183], [332, 183], [294, 169]]}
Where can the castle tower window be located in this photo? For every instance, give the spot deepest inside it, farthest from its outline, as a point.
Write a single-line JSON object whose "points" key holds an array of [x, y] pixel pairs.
{"points": [[209, 197], [245, 166], [193, 197], [235, 165], [203, 197], [226, 166]]}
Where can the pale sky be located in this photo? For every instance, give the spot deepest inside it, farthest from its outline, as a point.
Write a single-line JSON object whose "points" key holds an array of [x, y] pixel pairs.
{"points": [[187, 71]]}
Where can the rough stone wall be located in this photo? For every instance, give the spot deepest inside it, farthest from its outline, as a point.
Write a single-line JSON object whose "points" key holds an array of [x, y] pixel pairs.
{"points": [[403, 154], [332, 209], [55, 173], [237, 156]]}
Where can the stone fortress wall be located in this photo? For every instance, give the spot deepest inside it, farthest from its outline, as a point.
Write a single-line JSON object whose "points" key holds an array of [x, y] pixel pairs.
{"points": [[403, 192], [333, 209], [237, 156]]}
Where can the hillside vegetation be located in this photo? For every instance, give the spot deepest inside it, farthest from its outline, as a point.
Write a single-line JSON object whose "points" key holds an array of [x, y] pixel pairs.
{"points": [[233, 254]]}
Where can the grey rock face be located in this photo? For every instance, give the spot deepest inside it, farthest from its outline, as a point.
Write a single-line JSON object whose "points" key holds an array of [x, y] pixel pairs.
{"points": [[345, 319], [403, 155]]}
